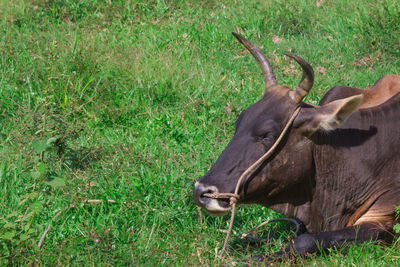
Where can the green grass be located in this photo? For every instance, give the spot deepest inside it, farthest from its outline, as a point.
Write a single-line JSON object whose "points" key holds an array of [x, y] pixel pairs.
{"points": [[133, 101]]}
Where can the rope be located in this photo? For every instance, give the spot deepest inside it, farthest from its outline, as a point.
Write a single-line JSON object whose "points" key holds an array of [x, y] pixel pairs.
{"points": [[247, 235], [233, 198]]}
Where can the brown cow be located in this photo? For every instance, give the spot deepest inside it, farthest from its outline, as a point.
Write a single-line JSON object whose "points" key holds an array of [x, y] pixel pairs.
{"points": [[337, 169]]}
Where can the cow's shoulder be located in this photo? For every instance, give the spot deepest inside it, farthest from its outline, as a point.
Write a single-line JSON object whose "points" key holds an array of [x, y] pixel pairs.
{"points": [[339, 92]]}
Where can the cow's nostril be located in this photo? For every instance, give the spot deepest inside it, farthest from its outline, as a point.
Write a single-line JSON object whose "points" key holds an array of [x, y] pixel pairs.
{"points": [[204, 199], [199, 193]]}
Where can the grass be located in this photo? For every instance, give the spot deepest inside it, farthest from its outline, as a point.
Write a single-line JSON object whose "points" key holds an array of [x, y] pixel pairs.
{"points": [[132, 101]]}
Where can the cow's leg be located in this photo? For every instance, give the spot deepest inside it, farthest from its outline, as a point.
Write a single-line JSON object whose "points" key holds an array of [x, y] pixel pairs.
{"points": [[311, 243]]}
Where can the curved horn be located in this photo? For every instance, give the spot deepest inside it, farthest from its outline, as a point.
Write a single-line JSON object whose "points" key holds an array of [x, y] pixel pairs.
{"points": [[266, 68], [307, 80]]}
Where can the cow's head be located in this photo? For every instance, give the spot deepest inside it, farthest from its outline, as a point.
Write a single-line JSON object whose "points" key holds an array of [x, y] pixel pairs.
{"points": [[257, 128], [290, 167]]}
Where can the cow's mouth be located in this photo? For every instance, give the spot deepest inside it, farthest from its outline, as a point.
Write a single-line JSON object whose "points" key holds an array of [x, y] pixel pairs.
{"points": [[218, 207]]}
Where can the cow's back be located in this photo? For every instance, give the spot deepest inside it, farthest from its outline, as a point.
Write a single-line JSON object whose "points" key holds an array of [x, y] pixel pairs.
{"points": [[381, 91]]}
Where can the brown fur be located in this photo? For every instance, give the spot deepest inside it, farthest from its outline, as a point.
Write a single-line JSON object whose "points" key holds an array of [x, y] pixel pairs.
{"points": [[382, 90]]}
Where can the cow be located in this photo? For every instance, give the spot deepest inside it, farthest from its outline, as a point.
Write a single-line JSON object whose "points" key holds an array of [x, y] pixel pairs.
{"points": [[337, 169]]}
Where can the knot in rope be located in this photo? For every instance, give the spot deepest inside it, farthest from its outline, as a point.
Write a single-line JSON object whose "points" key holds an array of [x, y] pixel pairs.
{"points": [[233, 201]]}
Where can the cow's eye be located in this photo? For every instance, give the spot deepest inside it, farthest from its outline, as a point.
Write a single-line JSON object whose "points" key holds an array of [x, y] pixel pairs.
{"points": [[267, 139]]}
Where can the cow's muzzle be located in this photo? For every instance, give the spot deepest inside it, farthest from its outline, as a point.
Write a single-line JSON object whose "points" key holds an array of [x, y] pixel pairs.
{"points": [[214, 206]]}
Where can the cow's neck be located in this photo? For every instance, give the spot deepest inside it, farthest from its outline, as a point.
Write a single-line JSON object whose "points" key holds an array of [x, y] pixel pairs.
{"points": [[320, 201]]}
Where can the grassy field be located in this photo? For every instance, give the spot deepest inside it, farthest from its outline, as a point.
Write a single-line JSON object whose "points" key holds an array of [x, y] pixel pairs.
{"points": [[129, 102]]}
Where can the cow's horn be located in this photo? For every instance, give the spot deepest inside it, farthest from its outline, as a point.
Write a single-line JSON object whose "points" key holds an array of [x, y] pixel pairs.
{"points": [[262, 60], [307, 80]]}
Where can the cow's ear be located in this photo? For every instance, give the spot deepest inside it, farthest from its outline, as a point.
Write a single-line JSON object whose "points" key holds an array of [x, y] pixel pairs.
{"points": [[329, 116]]}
